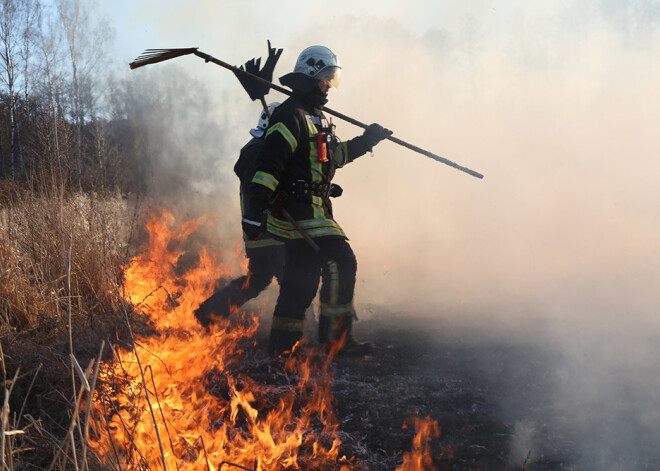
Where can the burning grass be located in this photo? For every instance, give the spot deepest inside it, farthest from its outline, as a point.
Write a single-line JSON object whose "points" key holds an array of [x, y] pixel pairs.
{"points": [[167, 394], [192, 406]]}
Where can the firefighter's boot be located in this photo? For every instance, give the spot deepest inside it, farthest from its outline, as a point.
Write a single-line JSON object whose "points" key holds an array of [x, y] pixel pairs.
{"points": [[217, 306], [282, 341], [335, 335], [352, 347]]}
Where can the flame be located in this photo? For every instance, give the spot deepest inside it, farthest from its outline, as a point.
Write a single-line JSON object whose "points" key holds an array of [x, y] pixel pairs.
{"points": [[419, 458], [178, 400]]}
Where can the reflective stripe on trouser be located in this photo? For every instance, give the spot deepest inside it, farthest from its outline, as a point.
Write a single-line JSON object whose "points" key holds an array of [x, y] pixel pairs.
{"points": [[288, 324], [335, 264], [335, 320], [337, 311]]}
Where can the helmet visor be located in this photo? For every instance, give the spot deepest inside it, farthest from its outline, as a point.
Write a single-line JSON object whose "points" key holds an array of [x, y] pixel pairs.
{"points": [[330, 75]]}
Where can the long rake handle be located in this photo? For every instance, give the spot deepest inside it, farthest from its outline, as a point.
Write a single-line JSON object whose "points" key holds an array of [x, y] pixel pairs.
{"points": [[339, 115]]}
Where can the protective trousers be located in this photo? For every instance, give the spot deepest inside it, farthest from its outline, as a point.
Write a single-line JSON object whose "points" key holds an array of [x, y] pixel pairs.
{"points": [[264, 263], [304, 268]]}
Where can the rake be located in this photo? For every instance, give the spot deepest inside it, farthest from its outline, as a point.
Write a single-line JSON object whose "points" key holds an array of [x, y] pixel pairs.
{"points": [[152, 56]]}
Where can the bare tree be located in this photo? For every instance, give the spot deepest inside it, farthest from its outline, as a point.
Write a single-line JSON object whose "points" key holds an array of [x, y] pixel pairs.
{"points": [[85, 39], [48, 42], [9, 31], [29, 15], [70, 13], [28, 9]]}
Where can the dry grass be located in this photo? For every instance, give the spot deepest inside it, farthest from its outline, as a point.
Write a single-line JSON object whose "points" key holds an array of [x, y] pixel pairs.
{"points": [[39, 237], [58, 305]]}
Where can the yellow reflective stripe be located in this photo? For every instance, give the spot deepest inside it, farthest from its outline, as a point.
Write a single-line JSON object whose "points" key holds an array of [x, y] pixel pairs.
{"points": [[337, 310], [304, 223], [311, 127], [293, 233], [286, 134], [316, 167], [313, 227], [334, 281], [317, 207], [341, 154], [267, 242], [266, 179], [287, 323]]}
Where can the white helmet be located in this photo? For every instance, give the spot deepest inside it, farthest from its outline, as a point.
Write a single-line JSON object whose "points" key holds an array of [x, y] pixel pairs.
{"points": [[320, 63], [262, 124]]}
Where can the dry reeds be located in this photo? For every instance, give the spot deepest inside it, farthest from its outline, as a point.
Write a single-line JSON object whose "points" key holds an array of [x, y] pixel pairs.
{"points": [[39, 237], [58, 303]]}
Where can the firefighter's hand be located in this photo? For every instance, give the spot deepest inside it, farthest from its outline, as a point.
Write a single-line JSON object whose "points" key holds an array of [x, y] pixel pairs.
{"points": [[254, 223], [252, 229], [376, 133]]}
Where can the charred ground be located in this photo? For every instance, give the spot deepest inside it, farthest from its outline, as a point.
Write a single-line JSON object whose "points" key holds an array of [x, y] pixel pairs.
{"points": [[462, 380], [495, 390]]}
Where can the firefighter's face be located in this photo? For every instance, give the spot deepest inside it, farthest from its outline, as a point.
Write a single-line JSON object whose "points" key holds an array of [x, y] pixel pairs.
{"points": [[324, 85]]}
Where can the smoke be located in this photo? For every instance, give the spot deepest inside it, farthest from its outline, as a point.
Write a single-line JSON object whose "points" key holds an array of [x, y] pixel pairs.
{"points": [[555, 103]]}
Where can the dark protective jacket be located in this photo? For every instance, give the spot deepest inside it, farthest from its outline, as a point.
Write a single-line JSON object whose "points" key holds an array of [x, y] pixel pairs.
{"points": [[244, 170], [244, 166], [290, 171]]}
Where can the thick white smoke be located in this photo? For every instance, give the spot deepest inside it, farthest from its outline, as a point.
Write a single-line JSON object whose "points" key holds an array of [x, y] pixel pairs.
{"points": [[556, 103]]}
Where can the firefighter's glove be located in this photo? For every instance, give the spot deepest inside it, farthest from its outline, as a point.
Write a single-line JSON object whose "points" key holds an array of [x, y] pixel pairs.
{"points": [[255, 89], [375, 133], [254, 225], [266, 72]]}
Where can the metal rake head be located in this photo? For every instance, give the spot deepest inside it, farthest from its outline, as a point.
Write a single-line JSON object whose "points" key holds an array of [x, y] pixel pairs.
{"points": [[151, 56]]}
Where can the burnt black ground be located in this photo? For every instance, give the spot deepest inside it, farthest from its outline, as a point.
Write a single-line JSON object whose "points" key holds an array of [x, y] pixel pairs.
{"points": [[460, 378], [494, 393], [490, 392]]}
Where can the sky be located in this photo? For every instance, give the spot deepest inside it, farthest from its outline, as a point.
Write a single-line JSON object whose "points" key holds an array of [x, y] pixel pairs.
{"points": [[555, 102]]}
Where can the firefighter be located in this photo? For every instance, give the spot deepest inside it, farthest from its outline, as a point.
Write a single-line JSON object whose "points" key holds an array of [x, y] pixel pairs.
{"points": [[265, 254], [290, 198]]}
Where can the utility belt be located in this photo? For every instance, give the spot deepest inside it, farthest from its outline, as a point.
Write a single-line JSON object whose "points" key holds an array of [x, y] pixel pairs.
{"points": [[323, 190]]}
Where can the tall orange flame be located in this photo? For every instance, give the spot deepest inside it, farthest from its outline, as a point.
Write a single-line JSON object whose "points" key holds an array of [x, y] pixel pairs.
{"points": [[207, 413]]}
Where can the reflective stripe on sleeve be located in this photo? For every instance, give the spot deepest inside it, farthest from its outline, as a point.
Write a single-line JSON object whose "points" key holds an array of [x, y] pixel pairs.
{"points": [[341, 154], [251, 222], [286, 134], [266, 179]]}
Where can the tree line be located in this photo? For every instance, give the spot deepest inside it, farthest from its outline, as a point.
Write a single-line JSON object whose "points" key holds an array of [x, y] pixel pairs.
{"points": [[59, 123]]}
